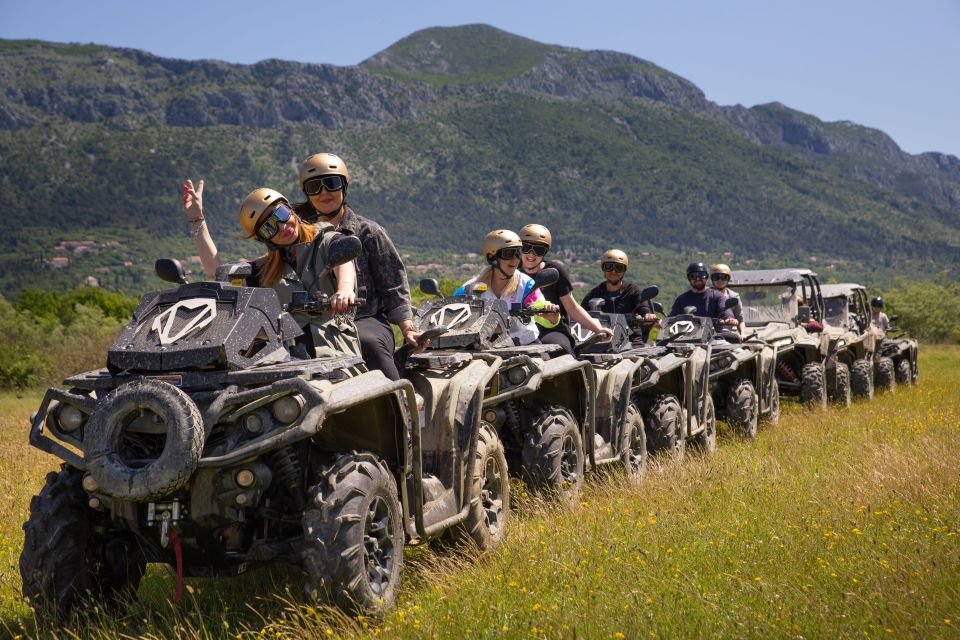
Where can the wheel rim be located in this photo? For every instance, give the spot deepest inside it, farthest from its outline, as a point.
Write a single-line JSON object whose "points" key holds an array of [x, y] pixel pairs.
{"points": [[378, 545], [491, 495], [636, 451], [569, 459]]}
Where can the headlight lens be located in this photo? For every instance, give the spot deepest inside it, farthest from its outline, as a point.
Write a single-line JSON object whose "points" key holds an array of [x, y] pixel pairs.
{"points": [[517, 375], [287, 409], [69, 418]]}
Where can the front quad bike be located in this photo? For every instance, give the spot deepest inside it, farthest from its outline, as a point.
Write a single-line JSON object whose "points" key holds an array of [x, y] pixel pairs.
{"points": [[853, 341], [666, 384], [899, 347], [777, 305], [537, 402], [207, 445]]}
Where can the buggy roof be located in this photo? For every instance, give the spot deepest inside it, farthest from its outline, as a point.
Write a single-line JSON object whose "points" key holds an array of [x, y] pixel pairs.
{"points": [[769, 276], [837, 290]]}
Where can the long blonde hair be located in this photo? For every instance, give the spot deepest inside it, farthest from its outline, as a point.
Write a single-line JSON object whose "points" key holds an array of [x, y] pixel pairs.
{"points": [[271, 268], [486, 277]]}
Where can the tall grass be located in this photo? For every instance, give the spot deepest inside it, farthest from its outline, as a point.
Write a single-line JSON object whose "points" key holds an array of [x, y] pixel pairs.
{"points": [[830, 524]]}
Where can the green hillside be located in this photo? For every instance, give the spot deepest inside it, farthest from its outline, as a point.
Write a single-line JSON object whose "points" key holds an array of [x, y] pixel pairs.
{"points": [[450, 133]]}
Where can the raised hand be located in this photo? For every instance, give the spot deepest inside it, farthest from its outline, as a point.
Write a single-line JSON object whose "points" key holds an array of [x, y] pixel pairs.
{"points": [[193, 200]]}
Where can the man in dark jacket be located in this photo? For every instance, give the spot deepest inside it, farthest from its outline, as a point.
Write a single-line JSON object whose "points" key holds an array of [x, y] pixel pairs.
{"points": [[619, 296], [708, 303]]}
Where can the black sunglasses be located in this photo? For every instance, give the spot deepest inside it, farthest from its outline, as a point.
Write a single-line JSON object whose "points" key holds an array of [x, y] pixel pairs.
{"points": [[720, 276], [539, 249], [613, 266], [314, 186], [269, 227], [697, 274], [508, 253]]}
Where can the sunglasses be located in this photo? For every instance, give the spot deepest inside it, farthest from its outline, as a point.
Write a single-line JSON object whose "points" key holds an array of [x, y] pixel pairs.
{"points": [[508, 253], [314, 186], [613, 266], [699, 275], [539, 249], [269, 227], [718, 277]]}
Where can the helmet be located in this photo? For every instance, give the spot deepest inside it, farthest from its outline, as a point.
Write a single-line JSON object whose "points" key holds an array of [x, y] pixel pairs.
{"points": [[536, 233], [877, 302], [323, 164], [696, 267], [615, 255], [499, 239], [254, 205], [718, 268]]}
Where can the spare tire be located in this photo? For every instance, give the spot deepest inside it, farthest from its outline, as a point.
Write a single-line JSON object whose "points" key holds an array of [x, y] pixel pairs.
{"points": [[144, 440]]}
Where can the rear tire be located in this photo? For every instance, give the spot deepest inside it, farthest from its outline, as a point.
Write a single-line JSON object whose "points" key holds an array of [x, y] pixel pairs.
{"points": [[633, 446], [861, 379], [664, 425], [552, 454], [486, 522], [68, 564], [706, 440], [885, 375], [813, 387], [353, 536], [743, 407], [903, 373], [841, 390]]}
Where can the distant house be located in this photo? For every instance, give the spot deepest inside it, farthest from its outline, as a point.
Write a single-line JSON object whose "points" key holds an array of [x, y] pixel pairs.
{"points": [[58, 262], [91, 281], [128, 263]]}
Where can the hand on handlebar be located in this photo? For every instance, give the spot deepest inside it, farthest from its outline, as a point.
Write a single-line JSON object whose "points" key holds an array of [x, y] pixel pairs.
{"points": [[342, 300]]}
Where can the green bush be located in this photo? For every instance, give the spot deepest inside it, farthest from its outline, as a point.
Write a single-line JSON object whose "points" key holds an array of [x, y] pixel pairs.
{"points": [[930, 311]]}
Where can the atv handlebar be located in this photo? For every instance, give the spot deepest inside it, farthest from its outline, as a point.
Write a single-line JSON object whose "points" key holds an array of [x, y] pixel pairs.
{"points": [[305, 303]]}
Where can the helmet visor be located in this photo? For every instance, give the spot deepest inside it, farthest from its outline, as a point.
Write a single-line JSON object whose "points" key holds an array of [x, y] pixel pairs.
{"points": [[314, 186], [613, 266], [508, 253], [539, 249], [271, 224]]}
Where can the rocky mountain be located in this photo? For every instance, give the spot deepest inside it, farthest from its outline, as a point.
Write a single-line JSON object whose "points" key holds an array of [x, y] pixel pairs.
{"points": [[455, 129]]}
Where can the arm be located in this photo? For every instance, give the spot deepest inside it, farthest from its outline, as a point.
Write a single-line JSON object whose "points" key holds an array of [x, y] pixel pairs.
{"points": [[346, 275], [388, 277], [193, 210], [579, 314]]}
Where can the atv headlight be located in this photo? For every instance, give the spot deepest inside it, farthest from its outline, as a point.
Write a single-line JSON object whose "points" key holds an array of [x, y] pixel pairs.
{"points": [[69, 418], [517, 375], [287, 409]]}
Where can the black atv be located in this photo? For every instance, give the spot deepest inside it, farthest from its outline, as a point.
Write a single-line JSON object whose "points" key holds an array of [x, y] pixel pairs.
{"points": [[211, 444]]}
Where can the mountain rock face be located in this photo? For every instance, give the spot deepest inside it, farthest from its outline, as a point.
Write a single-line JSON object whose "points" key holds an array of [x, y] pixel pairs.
{"points": [[468, 127]]}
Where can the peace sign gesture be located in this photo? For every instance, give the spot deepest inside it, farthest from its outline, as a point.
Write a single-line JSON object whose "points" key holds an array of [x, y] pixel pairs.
{"points": [[193, 201]]}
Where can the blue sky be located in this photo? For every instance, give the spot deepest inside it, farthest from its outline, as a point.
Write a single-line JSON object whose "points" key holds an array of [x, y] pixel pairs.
{"points": [[888, 64]]}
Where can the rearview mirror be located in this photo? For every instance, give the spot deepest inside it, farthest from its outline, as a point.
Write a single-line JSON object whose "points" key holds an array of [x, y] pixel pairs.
{"points": [[545, 278], [343, 250], [595, 303], [690, 311], [650, 292], [894, 318], [730, 303], [430, 287], [657, 307], [170, 270]]}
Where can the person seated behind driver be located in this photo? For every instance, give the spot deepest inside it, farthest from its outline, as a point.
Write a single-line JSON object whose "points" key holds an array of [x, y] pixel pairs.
{"points": [[877, 315], [503, 280], [619, 296], [707, 302], [720, 275]]}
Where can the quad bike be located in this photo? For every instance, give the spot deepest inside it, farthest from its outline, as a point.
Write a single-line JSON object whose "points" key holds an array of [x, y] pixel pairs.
{"points": [[664, 387], [212, 442], [536, 401], [901, 349], [853, 343], [783, 308]]}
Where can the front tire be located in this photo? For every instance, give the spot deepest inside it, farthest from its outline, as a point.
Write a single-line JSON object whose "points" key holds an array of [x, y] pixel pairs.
{"points": [[353, 536], [665, 425], [773, 417], [885, 375], [633, 446], [861, 379], [813, 387], [552, 454], [706, 440], [743, 407], [841, 390], [903, 373], [486, 523], [68, 564]]}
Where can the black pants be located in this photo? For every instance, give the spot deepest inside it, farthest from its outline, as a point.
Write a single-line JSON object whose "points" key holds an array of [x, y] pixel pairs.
{"points": [[557, 337], [377, 345]]}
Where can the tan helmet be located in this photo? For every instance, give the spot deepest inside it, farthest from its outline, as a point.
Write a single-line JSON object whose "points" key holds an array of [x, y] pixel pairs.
{"points": [[499, 239], [254, 205], [323, 164], [720, 268], [536, 233], [615, 255]]}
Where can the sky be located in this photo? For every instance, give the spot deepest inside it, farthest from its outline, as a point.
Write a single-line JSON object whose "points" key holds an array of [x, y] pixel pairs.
{"points": [[887, 64]]}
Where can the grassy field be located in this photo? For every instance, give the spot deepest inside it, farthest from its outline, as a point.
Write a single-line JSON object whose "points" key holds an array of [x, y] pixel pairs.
{"points": [[833, 524]]}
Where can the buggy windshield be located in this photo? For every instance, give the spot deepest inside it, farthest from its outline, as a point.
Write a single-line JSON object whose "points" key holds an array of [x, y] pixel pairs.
{"points": [[762, 304], [836, 311]]}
